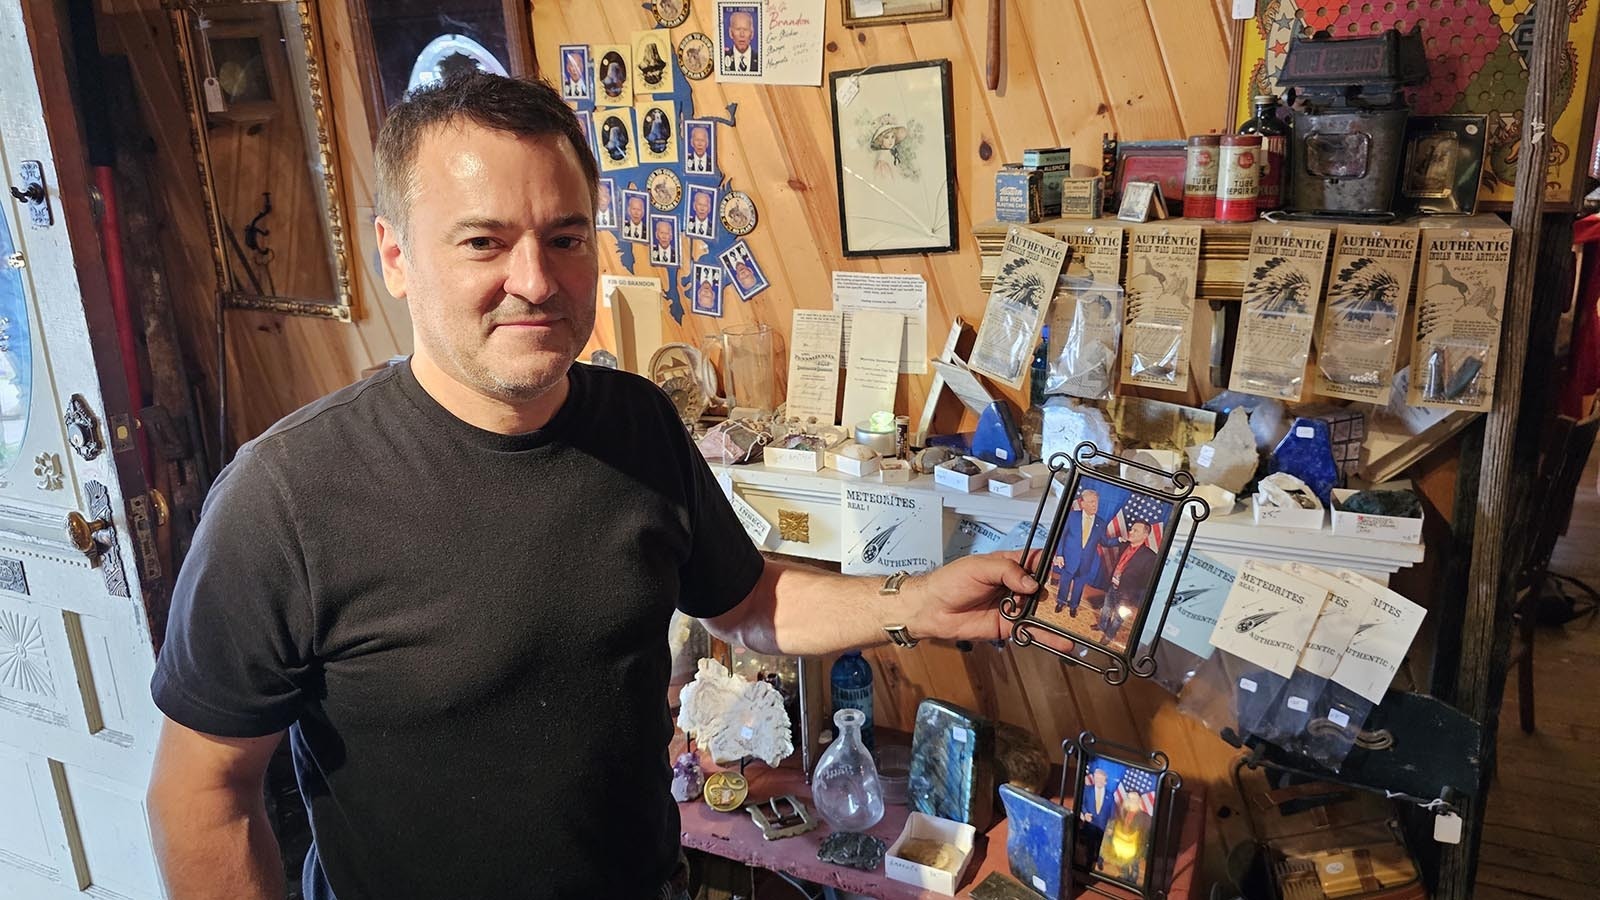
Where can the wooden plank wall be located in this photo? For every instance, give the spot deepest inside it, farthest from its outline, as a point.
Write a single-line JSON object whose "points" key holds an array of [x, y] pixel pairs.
{"points": [[1074, 69]]}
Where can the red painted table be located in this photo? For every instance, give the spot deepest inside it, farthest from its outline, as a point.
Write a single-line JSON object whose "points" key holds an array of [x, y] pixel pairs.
{"points": [[734, 836]]}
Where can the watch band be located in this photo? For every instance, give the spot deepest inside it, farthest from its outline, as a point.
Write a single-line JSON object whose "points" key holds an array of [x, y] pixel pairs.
{"points": [[898, 635]]}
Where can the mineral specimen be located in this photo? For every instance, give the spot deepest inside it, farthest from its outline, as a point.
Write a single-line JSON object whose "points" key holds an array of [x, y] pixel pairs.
{"points": [[1306, 452], [1036, 840], [732, 718], [952, 764], [1401, 504], [858, 851], [1228, 460]]}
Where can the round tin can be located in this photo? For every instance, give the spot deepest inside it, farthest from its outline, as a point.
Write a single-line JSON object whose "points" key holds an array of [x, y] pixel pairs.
{"points": [[1200, 176], [1238, 175]]}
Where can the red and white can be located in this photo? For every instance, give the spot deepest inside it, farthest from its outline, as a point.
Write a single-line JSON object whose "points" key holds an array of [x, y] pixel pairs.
{"points": [[1200, 177], [1238, 177]]}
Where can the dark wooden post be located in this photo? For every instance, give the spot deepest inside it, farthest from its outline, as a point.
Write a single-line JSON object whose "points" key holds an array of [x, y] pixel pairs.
{"points": [[1485, 633]]}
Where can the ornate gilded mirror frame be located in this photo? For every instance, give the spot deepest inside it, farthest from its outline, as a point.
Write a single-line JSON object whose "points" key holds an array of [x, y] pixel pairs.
{"points": [[194, 58]]}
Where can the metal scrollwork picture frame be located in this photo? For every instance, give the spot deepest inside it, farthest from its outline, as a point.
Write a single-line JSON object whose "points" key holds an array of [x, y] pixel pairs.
{"points": [[1106, 558], [1122, 829]]}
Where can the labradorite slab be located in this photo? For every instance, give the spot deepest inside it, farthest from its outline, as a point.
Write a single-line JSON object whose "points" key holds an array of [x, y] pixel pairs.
{"points": [[952, 765], [1400, 504]]}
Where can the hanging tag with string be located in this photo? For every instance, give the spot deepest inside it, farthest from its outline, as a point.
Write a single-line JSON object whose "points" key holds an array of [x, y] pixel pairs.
{"points": [[210, 87]]}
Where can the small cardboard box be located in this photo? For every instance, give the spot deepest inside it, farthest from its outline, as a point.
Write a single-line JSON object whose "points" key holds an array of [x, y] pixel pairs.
{"points": [[1010, 484], [800, 460], [1377, 528], [1082, 198], [894, 471], [1284, 517], [944, 476], [920, 826], [1050, 156], [1018, 195], [1038, 473], [849, 465]]}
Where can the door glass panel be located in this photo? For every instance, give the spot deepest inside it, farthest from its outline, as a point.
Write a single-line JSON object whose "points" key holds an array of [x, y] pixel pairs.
{"points": [[16, 355]]}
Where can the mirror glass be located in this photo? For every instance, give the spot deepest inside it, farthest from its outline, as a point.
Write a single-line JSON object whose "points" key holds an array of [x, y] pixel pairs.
{"points": [[263, 131]]}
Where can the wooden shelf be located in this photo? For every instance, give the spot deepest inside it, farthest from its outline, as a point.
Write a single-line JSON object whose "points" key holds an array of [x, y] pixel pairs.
{"points": [[734, 836]]}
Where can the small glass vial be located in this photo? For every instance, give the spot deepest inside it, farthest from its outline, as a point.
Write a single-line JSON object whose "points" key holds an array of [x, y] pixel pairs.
{"points": [[1200, 177], [1237, 177], [1274, 152]]}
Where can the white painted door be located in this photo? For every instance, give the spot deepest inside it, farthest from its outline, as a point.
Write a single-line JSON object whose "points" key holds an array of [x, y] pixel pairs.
{"points": [[77, 726]]}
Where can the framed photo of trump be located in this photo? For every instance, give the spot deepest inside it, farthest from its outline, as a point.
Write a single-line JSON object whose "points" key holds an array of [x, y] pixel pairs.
{"points": [[894, 150], [1107, 547], [1121, 828]]}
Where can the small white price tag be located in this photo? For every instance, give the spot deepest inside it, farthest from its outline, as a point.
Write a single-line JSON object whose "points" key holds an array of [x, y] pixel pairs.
{"points": [[866, 9], [1334, 868], [847, 93], [213, 91], [1447, 828], [755, 524], [1298, 704], [1001, 452], [1305, 431], [746, 734], [1339, 718], [960, 734], [1248, 685], [1206, 454], [1244, 9], [1039, 885]]}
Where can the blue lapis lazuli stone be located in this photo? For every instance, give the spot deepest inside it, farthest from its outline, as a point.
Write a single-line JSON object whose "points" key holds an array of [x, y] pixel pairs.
{"points": [[1306, 452], [1036, 841]]}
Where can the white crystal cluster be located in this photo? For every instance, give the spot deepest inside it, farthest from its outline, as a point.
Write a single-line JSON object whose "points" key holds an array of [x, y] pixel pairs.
{"points": [[732, 718]]}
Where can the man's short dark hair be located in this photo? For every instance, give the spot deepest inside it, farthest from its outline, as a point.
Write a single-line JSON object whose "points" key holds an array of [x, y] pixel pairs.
{"points": [[518, 106]]}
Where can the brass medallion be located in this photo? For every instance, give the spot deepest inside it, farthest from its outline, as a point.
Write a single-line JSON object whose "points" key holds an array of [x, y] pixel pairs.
{"points": [[665, 189], [726, 791], [670, 13], [738, 213], [794, 526], [696, 56]]}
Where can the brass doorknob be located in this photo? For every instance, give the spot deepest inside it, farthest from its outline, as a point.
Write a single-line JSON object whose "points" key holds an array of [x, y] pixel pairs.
{"points": [[85, 533]]}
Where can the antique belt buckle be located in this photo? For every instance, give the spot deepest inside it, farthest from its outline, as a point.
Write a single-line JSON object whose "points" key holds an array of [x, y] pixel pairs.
{"points": [[775, 824]]}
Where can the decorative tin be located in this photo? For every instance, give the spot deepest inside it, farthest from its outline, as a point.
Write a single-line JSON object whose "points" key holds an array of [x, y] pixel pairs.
{"points": [[1238, 174], [1018, 195], [1200, 176]]}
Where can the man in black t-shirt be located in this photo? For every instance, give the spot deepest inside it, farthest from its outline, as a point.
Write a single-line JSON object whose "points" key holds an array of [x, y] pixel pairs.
{"points": [[450, 583]]}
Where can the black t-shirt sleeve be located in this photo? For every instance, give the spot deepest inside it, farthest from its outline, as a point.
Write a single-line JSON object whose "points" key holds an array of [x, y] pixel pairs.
{"points": [[238, 645]]}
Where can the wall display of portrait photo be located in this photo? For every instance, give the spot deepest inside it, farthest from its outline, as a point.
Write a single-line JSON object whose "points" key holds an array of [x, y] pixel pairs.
{"points": [[1123, 814], [577, 72], [664, 241], [748, 279], [894, 146], [1100, 578], [636, 217], [658, 132], [605, 215], [707, 296], [700, 213], [699, 147], [739, 40]]}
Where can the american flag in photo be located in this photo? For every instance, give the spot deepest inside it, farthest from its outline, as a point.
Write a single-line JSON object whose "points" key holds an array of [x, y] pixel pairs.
{"points": [[1140, 508], [1138, 782]]}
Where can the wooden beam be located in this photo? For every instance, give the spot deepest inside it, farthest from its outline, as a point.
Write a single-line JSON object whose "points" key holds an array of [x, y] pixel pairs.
{"points": [[1480, 679]]}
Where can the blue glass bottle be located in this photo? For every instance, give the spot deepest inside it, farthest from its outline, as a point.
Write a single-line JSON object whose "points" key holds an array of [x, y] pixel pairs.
{"points": [[852, 689]]}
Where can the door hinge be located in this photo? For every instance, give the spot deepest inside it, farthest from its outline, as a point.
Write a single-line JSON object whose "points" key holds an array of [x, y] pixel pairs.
{"points": [[33, 194]]}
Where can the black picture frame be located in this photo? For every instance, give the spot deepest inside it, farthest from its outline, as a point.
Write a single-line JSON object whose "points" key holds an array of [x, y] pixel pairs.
{"points": [[1171, 506], [1151, 769], [894, 200]]}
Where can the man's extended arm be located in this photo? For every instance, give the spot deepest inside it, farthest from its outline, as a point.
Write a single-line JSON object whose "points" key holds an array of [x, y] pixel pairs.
{"points": [[208, 816], [795, 610]]}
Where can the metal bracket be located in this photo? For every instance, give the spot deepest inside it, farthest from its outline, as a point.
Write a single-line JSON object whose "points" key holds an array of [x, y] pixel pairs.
{"points": [[122, 426], [83, 430], [140, 516], [110, 557], [33, 194]]}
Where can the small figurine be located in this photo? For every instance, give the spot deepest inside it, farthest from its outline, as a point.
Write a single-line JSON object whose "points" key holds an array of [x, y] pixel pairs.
{"points": [[686, 778]]}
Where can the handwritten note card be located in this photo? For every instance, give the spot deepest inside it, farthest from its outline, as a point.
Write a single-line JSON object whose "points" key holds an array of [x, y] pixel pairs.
{"points": [[814, 364], [874, 365], [903, 294], [794, 42]]}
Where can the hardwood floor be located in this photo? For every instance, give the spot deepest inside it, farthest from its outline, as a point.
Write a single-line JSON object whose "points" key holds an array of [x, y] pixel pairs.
{"points": [[1541, 833]]}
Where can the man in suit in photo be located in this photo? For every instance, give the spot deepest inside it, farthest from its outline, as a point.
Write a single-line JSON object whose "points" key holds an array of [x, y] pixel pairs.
{"points": [[1095, 809], [699, 223], [1077, 562], [739, 54], [664, 252], [633, 228], [699, 161], [1135, 566], [576, 85]]}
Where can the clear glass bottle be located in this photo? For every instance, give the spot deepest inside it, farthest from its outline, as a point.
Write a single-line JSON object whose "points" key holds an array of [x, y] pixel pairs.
{"points": [[845, 786]]}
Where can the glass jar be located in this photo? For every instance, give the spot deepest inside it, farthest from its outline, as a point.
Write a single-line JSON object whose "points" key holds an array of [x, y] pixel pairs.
{"points": [[845, 786], [851, 682]]}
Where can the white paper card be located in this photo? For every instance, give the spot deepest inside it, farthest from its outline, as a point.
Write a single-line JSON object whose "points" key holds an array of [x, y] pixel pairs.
{"points": [[755, 524], [1248, 684], [874, 366], [965, 385], [793, 42], [866, 8], [1268, 617], [1298, 704], [814, 365], [887, 531], [1388, 626], [1244, 9], [1447, 828], [1203, 587], [903, 294], [1339, 717], [1340, 617], [636, 308], [1030, 264]]}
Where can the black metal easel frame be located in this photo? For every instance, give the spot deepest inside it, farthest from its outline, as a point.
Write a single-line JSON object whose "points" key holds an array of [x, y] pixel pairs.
{"points": [[1020, 610], [1076, 753]]}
